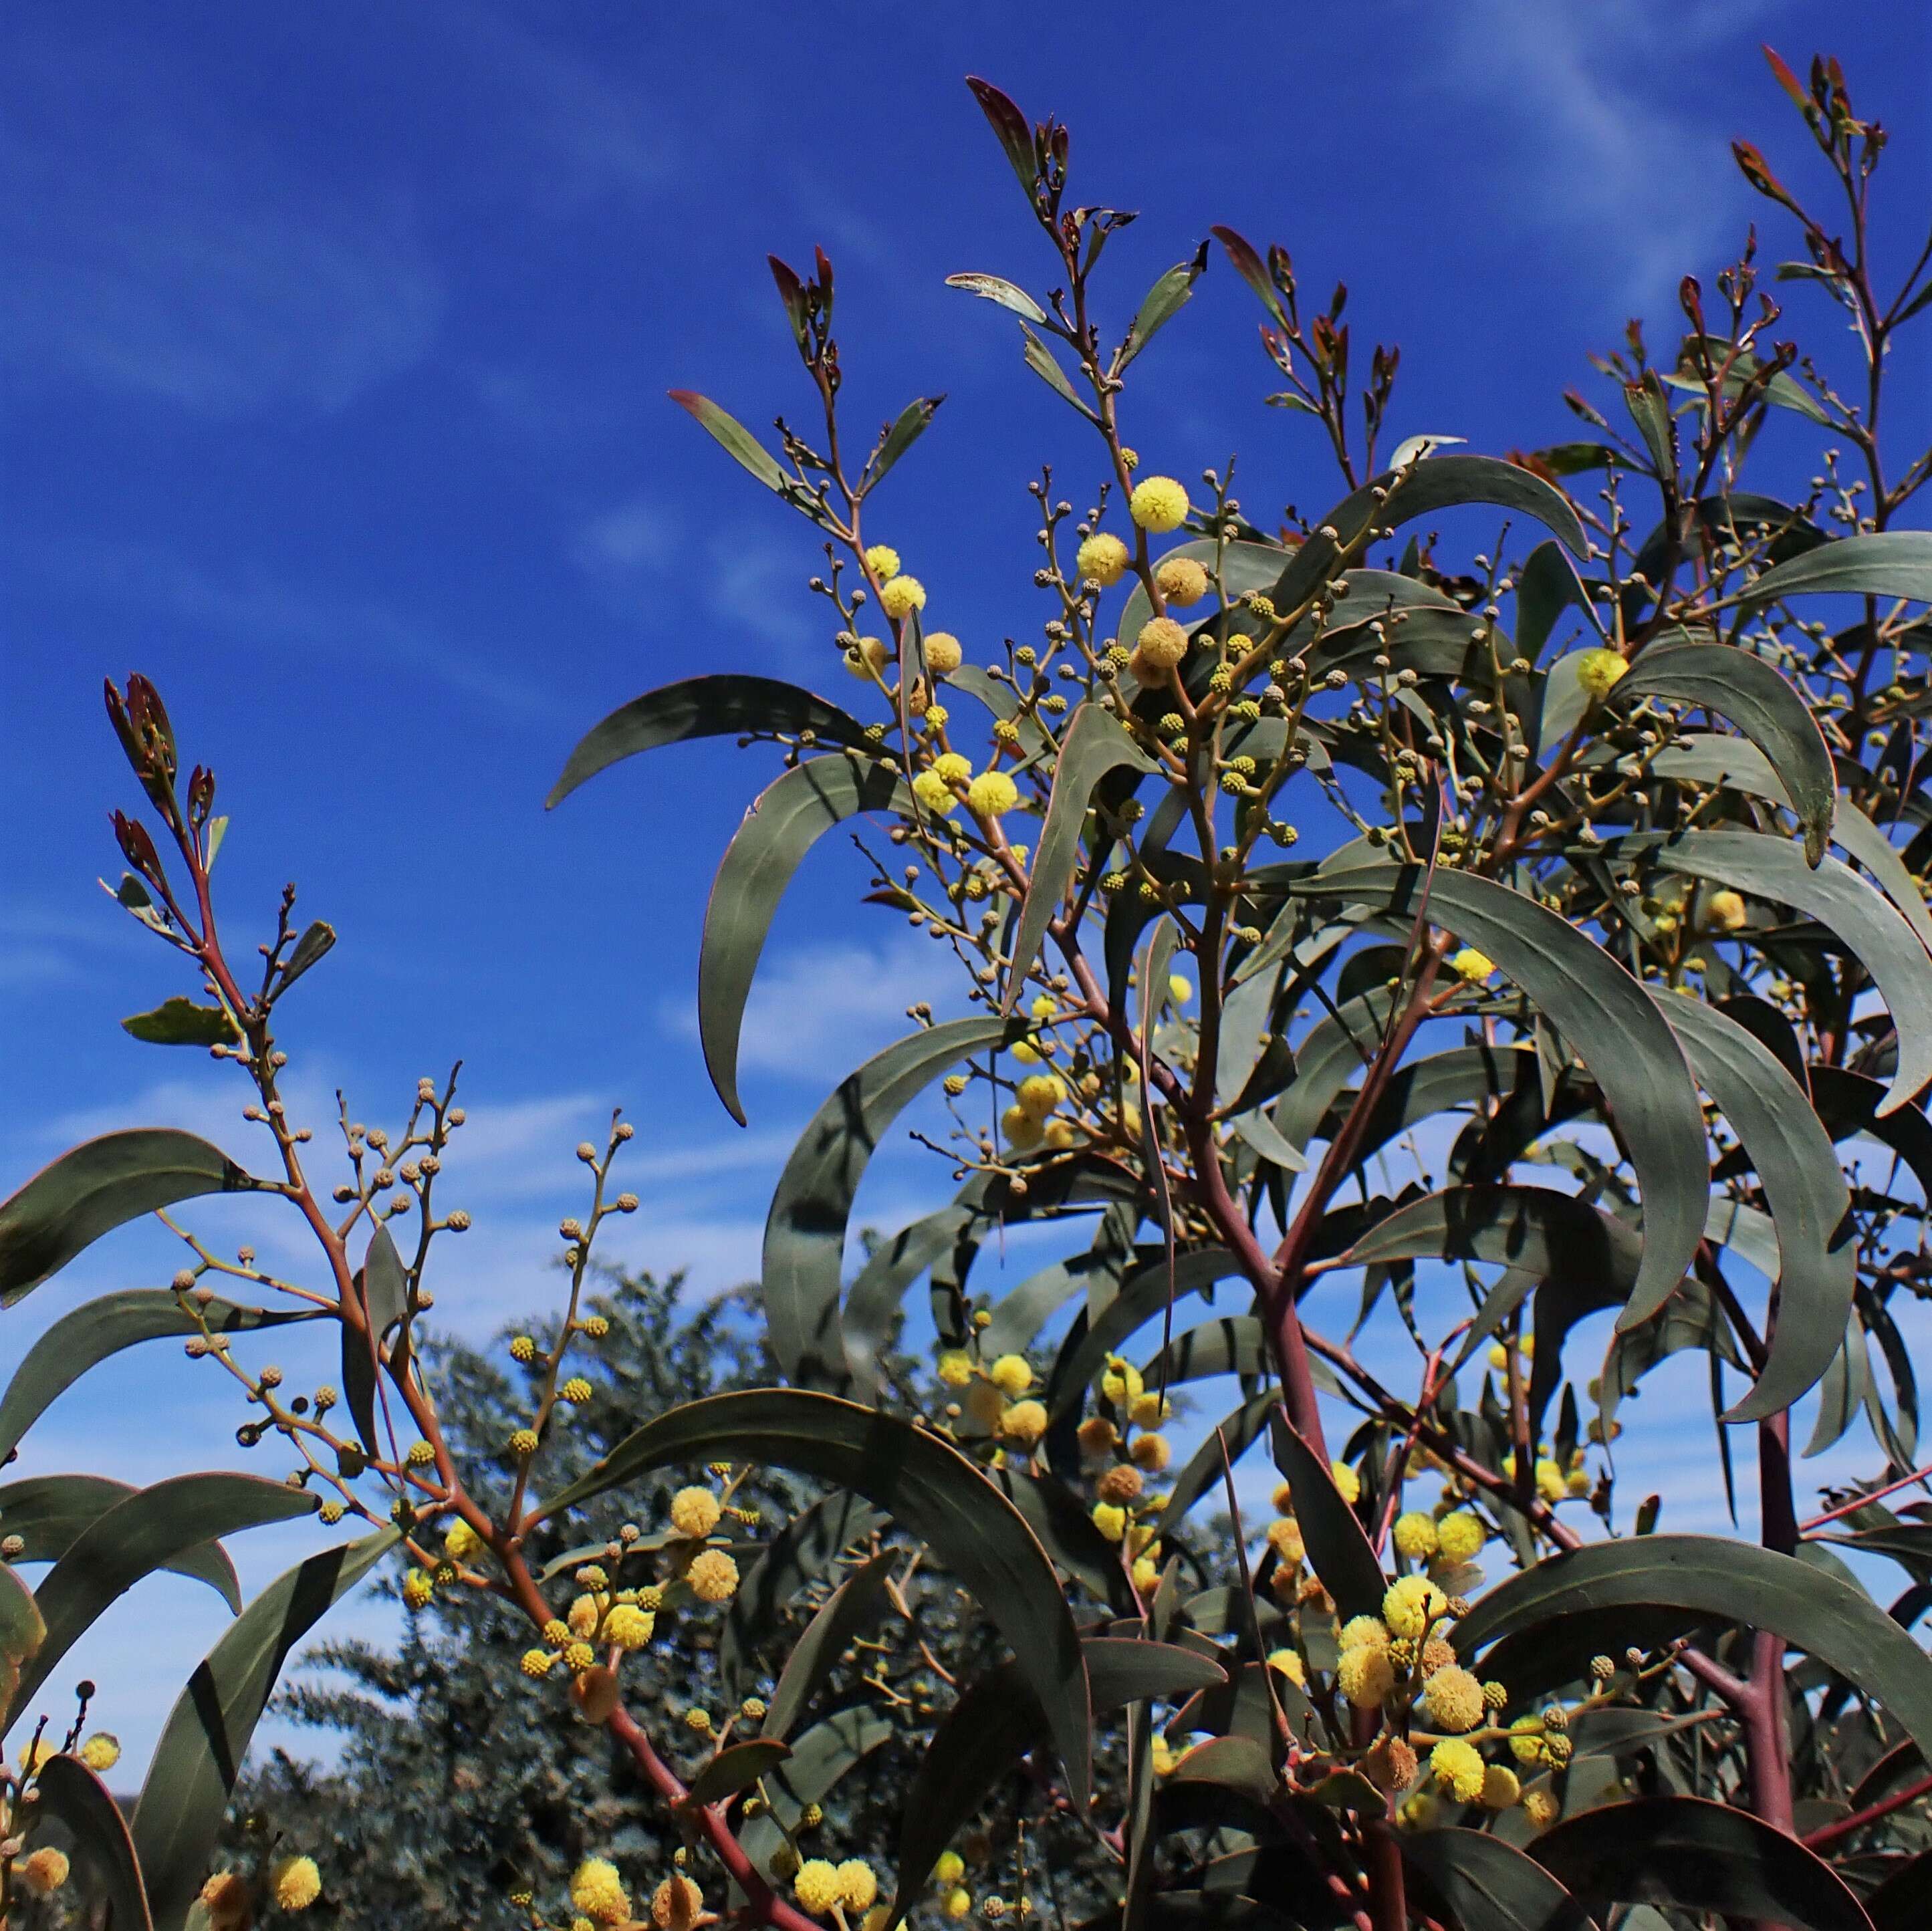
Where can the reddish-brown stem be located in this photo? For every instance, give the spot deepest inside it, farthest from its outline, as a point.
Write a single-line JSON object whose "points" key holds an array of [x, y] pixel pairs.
{"points": [[1836, 1833]]}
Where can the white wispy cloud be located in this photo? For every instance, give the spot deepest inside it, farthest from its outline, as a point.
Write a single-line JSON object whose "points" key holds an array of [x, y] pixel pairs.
{"points": [[1577, 117], [192, 271]]}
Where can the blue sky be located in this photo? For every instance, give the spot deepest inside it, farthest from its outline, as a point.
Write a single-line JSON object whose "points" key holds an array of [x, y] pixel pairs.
{"points": [[335, 343]]}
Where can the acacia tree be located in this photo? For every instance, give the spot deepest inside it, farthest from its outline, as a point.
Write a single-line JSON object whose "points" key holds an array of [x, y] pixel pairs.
{"points": [[1626, 893]]}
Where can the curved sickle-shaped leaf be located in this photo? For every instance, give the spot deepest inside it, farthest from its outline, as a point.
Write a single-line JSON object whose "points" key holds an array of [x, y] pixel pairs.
{"points": [[746, 448], [820, 1758], [383, 1288], [1094, 745], [1020, 1313], [1838, 898], [22, 1631], [1707, 758], [104, 1852], [151, 1529], [1234, 1435], [50, 1513], [1881, 563], [735, 1767], [997, 289], [806, 1549], [1610, 1019], [1141, 1298], [1060, 1518], [1737, 1582], [199, 1756], [722, 706], [853, 1607], [1488, 1885], [1163, 301], [1903, 1903], [1338, 1549], [805, 1231], [928, 1485], [1453, 1078], [1699, 1856], [784, 822], [99, 1328], [1441, 483], [97, 1187], [1763, 705], [1233, 1345], [1548, 586], [911, 423], [1850, 1103], [998, 1719], [882, 1283], [1811, 1205], [1336, 1049]]}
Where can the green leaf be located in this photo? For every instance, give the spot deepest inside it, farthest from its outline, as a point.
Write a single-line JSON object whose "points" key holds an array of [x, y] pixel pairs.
{"points": [[1548, 586], [1020, 1313], [1039, 360], [1763, 705], [804, 1550], [1164, 301], [1205, 1468], [1488, 1885], [98, 1186], [1811, 1205], [819, 1758], [851, 1609], [180, 1022], [745, 447], [102, 1327], [911, 424], [997, 1719], [1650, 410], [1839, 899], [1736, 1581], [1610, 1019], [1698, 1856], [317, 942], [201, 1751], [22, 1631], [1062, 1521], [1903, 1903], [1094, 745], [1009, 128], [735, 1767], [1881, 563], [875, 1297], [1440, 484], [1233, 1345], [383, 1288], [1244, 568], [1339, 1550], [925, 1483], [1339, 1047], [726, 705], [49, 1513], [994, 288], [786, 820], [1781, 390], [149, 1529], [103, 1852], [805, 1231], [1147, 1293]]}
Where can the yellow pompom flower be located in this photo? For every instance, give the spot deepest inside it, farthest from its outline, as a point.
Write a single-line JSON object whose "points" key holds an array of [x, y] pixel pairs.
{"points": [[1159, 504], [1539, 1807], [538, 1662], [1526, 1739], [1023, 1424], [1348, 1483], [523, 1441], [883, 560], [1150, 1410], [1103, 558], [713, 1577], [901, 596], [1501, 1787], [45, 1871], [1459, 1537], [934, 793], [869, 657], [1110, 1520], [1121, 1484], [1162, 644], [1151, 1452], [417, 1589], [1726, 909], [523, 1348], [599, 1892], [628, 1627], [1179, 989], [1411, 1604], [1458, 1769], [578, 1656], [582, 1616], [1365, 1632], [1097, 1435], [858, 1884], [1365, 1676], [953, 768], [1453, 1698], [1021, 1129], [676, 1903], [1146, 1573], [1415, 1535], [955, 1368], [992, 794], [1121, 1383], [1475, 968], [460, 1542], [1290, 1666], [1181, 580], [957, 1902], [1284, 1538], [1598, 670], [1551, 1484], [101, 1751], [943, 654], [1161, 1755], [1040, 1094], [694, 1512], [295, 1883], [816, 1887], [950, 1868], [1283, 1498]]}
